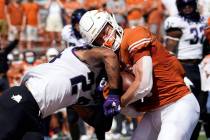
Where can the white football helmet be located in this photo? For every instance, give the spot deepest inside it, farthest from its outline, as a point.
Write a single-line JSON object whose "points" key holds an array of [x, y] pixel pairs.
{"points": [[94, 21]]}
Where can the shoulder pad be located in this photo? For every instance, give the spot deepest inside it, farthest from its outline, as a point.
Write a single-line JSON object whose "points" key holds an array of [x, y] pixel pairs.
{"points": [[173, 22]]}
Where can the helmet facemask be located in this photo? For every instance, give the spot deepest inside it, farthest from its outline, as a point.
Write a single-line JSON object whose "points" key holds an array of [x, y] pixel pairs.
{"points": [[117, 33], [111, 40]]}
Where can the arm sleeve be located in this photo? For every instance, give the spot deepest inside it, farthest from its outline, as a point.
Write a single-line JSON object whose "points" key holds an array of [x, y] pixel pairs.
{"points": [[145, 86], [139, 44]]}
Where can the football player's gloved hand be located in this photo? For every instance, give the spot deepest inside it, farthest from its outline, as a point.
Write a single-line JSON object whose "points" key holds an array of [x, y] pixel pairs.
{"points": [[112, 103]]}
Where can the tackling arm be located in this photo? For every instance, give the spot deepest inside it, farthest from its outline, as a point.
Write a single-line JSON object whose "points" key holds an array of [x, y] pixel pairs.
{"points": [[111, 105], [109, 59], [172, 40], [173, 27]]}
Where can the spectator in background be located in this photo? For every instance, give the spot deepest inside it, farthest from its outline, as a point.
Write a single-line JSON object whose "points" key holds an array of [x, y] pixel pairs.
{"points": [[154, 16], [30, 23], [204, 7], [3, 22], [135, 10], [170, 8], [54, 23], [184, 38], [29, 60], [20, 63], [118, 8], [14, 18], [94, 4], [4, 67], [15, 71], [70, 6]]}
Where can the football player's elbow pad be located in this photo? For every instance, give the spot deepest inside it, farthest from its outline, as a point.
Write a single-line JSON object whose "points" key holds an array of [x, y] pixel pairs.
{"points": [[146, 83]]}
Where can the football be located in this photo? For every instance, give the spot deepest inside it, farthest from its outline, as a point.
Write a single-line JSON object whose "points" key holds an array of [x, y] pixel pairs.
{"points": [[127, 79]]}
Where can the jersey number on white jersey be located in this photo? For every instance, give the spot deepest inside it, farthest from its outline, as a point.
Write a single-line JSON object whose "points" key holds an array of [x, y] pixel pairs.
{"points": [[80, 79], [197, 32]]}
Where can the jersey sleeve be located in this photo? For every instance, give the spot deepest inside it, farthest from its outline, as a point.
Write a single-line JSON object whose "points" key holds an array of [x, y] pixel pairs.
{"points": [[139, 43], [173, 22]]}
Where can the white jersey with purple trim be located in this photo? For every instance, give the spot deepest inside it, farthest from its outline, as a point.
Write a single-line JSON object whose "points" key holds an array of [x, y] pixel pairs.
{"points": [[64, 81], [69, 37], [191, 42]]}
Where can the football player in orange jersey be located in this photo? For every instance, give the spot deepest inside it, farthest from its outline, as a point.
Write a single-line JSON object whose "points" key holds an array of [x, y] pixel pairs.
{"points": [[170, 109]]}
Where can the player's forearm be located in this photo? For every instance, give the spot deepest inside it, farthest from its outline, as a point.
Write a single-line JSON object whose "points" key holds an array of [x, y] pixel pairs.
{"points": [[103, 56], [142, 84], [172, 38], [129, 94], [113, 70], [171, 45]]}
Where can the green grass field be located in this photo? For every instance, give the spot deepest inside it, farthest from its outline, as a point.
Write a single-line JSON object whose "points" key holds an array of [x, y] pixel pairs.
{"points": [[202, 137]]}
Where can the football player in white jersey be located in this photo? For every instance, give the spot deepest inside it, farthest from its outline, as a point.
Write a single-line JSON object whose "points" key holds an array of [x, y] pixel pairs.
{"points": [[70, 33], [66, 80], [72, 37], [184, 38]]}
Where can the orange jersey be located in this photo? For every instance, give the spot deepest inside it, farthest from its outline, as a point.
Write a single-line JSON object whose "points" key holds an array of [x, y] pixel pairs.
{"points": [[155, 11], [31, 11], [2, 9], [96, 4], [72, 5], [135, 13], [16, 14], [168, 74]]}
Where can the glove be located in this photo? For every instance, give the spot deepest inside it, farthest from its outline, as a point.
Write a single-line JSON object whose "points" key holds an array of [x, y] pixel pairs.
{"points": [[112, 104]]}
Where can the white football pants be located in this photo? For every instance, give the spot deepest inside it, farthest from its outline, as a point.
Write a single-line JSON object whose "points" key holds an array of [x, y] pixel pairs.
{"points": [[172, 122]]}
